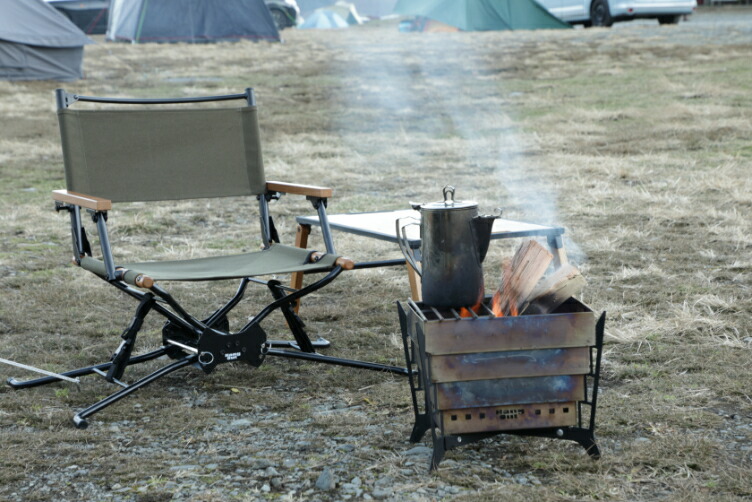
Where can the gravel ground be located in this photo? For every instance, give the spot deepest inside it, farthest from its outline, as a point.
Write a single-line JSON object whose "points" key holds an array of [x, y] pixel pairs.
{"points": [[238, 458]]}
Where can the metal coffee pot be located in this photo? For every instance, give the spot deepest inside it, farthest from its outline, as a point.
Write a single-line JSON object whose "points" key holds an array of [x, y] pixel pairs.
{"points": [[454, 243]]}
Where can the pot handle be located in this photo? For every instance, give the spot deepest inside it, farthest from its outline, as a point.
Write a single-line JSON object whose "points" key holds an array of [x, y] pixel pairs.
{"points": [[404, 244]]}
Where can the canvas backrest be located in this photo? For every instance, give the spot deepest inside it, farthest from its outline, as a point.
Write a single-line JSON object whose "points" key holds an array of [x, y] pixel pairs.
{"points": [[142, 154]]}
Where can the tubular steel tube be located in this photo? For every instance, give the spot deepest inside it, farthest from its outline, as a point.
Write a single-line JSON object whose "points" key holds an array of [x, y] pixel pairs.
{"points": [[104, 241], [16, 384], [292, 297], [39, 370], [161, 101], [78, 240], [80, 418], [377, 264], [325, 230], [312, 356], [192, 350], [230, 305], [264, 217]]}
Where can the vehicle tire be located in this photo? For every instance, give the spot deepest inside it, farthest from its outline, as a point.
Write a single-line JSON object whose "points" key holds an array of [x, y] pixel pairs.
{"points": [[668, 19], [280, 18], [599, 13]]}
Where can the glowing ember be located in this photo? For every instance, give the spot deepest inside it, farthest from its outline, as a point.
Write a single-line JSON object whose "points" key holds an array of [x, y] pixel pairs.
{"points": [[464, 312], [475, 309], [496, 304], [496, 308]]}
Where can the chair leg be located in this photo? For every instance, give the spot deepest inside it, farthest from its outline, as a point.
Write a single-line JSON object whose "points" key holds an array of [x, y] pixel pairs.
{"points": [[294, 322], [123, 353], [79, 419], [88, 370]]}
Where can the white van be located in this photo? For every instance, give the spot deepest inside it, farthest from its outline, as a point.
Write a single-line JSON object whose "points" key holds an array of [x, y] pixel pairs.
{"points": [[606, 12]]}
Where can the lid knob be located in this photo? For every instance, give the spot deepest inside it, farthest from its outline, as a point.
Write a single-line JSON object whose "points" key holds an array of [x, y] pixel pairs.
{"points": [[448, 195]]}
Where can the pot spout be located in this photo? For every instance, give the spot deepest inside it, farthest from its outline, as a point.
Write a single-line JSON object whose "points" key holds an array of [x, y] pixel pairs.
{"points": [[482, 225]]}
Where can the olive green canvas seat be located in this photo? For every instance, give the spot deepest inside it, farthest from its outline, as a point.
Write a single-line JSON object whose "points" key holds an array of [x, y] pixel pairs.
{"points": [[147, 150], [277, 259]]}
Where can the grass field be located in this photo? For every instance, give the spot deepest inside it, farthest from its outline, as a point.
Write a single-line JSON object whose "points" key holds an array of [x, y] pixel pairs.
{"points": [[634, 139]]}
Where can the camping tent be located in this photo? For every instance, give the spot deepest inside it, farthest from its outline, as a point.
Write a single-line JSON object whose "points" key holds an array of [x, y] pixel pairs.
{"points": [[190, 21], [346, 11], [366, 8], [324, 19], [38, 43], [89, 15], [338, 15], [483, 15]]}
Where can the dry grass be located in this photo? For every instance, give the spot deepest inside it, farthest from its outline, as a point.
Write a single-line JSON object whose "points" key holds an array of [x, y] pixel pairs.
{"points": [[636, 143]]}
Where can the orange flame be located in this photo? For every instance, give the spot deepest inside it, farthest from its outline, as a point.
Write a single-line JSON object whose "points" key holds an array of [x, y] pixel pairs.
{"points": [[464, 312], [496, 304], [497, 309], [513, 310]]}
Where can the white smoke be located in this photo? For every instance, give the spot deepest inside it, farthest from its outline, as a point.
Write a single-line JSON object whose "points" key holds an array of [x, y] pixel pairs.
{"points": [[411, 70]]}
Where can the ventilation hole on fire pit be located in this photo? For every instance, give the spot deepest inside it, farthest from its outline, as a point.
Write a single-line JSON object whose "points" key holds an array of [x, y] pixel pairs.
{"points": [[551, 411], [565, 410], [537, 412], [468, 416], [481, 416], [454, 418]]}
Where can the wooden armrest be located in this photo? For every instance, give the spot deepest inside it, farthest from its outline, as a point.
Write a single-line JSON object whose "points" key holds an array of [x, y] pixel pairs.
{"points": [[79, 199], [343, 261], [293, 188]]}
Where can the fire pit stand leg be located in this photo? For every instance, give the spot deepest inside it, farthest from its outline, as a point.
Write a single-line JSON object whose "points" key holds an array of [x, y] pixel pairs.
{"points": [[422, 420], [438, 453], [586, 439], [421, 426]]}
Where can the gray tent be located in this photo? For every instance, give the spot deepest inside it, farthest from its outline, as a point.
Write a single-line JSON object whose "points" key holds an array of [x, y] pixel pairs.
{"points": [[366, 8], [39, 43], [190, 21], [89, 15]]}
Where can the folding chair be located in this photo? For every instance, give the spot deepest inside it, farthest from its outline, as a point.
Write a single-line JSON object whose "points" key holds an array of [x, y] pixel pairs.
{"points": [[116, 152]]}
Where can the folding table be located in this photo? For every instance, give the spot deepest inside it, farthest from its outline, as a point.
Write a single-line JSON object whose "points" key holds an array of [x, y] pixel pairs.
{"points": [[382, 225]]}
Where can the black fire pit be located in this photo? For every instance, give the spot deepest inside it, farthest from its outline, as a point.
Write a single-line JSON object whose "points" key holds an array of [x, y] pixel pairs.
{"points": [[534, 375]]}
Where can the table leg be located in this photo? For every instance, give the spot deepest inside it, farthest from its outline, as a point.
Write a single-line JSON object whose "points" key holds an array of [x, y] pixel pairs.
{"points": [[415, 284], [557, 248], [301, 241]]}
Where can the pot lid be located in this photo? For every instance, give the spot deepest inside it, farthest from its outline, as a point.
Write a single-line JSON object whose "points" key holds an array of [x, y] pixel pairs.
{"points": [[448, 203]]}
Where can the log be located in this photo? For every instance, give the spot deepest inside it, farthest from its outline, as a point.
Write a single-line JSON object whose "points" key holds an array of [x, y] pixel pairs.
{"points": [[564, 283], [520, 275]]}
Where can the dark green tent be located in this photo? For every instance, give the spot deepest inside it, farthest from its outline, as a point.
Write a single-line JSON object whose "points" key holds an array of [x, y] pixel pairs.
{"points": [[483, 15]]}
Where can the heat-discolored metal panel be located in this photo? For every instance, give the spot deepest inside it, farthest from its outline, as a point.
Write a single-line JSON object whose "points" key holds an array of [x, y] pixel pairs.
{"points": [[493, 334], [500, 392], [509, 364], [513, 417]]}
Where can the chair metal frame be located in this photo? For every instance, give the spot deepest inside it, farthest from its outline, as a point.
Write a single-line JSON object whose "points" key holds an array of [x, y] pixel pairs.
{"points": [[187, 340]]}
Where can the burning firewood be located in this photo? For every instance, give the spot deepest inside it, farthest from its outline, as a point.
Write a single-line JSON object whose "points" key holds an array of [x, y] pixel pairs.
{"points": [[520, 275], [554, 290]]}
